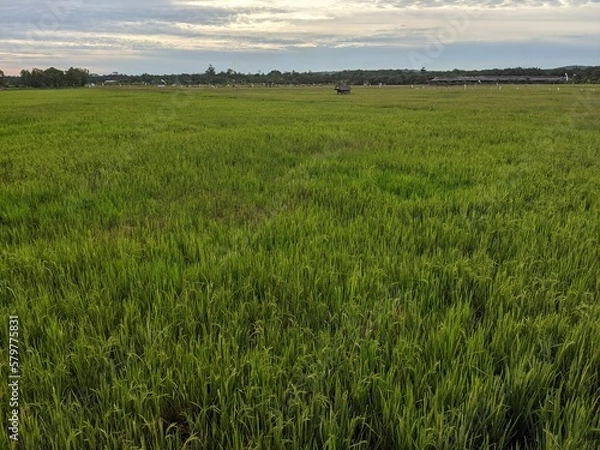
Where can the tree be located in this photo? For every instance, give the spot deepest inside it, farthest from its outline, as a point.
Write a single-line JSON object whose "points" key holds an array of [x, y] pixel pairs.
{"points": [[36, 78], [210, 74], [230, 75], [76, 77], [1, 78], [25, 77], [54, 77]]}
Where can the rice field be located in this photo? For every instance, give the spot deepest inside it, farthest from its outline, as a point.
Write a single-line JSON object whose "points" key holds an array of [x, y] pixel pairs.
{"points": [[290, 269]]}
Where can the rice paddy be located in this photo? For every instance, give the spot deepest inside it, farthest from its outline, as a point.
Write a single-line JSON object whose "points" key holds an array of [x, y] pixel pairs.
{"points": [[290, 269]]}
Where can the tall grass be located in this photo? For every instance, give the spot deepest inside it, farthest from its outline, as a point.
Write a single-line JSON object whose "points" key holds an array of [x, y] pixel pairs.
{"points": [[290, 269]]}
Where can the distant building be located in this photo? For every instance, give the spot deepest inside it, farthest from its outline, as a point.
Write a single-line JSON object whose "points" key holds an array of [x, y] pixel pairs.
{"points": [[343, 89], [501, 79]]}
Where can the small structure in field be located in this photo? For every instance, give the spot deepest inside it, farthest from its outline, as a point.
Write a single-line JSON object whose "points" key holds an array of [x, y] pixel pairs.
{"points": [[343, 89]]}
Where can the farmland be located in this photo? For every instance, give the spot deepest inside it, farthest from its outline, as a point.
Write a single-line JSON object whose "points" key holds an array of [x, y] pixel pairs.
{"points": [[290, 269]]}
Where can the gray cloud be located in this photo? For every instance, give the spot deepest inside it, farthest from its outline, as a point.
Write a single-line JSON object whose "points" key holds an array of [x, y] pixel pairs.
{"points": [[34, 31]]}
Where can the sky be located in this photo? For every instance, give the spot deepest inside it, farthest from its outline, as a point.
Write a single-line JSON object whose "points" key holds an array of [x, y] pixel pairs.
{"points": [[250, 36]]}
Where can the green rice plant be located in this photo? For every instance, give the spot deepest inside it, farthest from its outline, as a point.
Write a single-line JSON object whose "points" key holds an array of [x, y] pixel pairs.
{"points": [[290, 269]]}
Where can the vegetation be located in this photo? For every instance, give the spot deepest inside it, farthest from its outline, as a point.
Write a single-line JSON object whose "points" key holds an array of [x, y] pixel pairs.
{"points": [[290, 269], [78, 77], [354, 77], [54, 78]]}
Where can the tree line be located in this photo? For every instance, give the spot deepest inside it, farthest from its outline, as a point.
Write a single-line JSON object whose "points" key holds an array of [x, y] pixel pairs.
{"points": [[74, 77], [353, 77], [48, 78]]}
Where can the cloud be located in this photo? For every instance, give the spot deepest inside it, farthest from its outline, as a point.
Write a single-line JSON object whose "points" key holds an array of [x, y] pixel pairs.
{"points": [[39, 30]]}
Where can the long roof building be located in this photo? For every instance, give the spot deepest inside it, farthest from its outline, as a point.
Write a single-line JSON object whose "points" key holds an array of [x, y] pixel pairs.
{"points": [[500, 79]]}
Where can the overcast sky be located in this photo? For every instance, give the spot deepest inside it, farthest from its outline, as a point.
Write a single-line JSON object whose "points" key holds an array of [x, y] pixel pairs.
{"points": [[174, 36]]}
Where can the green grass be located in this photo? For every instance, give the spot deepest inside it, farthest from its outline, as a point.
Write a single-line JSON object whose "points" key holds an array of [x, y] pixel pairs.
{"points": [[291, 269]]}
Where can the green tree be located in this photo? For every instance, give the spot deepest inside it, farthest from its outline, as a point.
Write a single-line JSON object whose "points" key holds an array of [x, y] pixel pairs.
{"points": [[1, 78], [37, 79], [210, 74], [25, 77], [73, 77], [76, 77], [54, 77]]}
